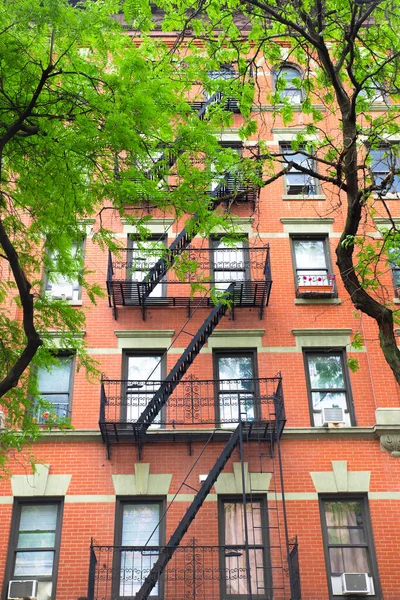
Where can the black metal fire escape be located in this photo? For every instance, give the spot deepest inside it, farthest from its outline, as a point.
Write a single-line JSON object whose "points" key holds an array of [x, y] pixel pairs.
{"points": [[266, 433], [178, 371], [167, 553]]}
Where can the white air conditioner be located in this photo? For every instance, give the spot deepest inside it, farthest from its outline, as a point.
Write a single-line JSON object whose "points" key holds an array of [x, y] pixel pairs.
{"points": [[334, 414], [23, 588], [355, 584], [62, 290]]}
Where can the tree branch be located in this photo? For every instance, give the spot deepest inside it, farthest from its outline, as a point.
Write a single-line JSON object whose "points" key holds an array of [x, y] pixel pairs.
{"points": [[33, 339]]}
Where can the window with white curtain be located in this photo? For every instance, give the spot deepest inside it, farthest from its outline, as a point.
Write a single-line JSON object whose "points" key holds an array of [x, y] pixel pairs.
{"points": [[237, 581], [140, 529], [348, 541]]}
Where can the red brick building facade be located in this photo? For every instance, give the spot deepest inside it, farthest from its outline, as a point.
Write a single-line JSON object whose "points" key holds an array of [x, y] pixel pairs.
{"points": [[315, 459]]}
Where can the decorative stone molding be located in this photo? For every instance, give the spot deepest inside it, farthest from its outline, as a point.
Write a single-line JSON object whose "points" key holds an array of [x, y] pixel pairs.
{"points": [[236, 338], [308, 338], [388, 428], [142, 482], [231, 483], [40, 483], [245, 224], [307, 225], [140, 339], [391, 443], [340, 479], [155, 226]]}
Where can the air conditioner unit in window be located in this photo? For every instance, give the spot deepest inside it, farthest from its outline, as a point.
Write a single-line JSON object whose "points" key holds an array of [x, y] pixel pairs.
{"points": [[24, 588], [355, 584], [335, 415], [62, 290]]}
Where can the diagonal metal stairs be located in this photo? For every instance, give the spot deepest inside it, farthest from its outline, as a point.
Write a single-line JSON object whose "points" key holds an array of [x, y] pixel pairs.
{"points": [[167, 553], [178, 371]]}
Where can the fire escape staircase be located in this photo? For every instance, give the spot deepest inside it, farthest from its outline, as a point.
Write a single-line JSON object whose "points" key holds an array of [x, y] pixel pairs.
{"points": [[160, 398], [167, 553], [182, 241]]}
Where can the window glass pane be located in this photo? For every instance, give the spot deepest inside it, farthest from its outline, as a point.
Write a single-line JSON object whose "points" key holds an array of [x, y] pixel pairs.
{"points": [[56, 380], [138, 523], [229, 405], [60, 285], [144, 367], [39, 564], [147, 370], [309, 253], [343, 535], [135, 566], [343, 514], [349, 560], [40, 539], [328, 399], [235, 367], [38, 517], [325, 371], [234, 523], [396, 277], [236, 572]]}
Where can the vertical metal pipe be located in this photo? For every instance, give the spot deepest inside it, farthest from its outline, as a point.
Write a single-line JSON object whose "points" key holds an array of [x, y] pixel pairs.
{"points": [[285, 517], [244, 501]]}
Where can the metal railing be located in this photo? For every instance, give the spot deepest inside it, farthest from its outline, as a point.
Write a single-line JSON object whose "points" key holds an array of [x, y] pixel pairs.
{"points": [[196, 403], [214, 265], [315, 282], [194, 571]]}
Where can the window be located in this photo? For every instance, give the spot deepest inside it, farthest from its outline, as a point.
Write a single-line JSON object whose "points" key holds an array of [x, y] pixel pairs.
{"points": [[348, 543], [138, 525], [236, 393], [384, 161], [224, 73], [285, 83], [229, 264], [142, 374], [55, 386], [312, 267], [298, 183], [374, 92], [34, 545], [396, 279], [228, 182], [142, 256], [329, 388], [60, 286], [233, 553]]}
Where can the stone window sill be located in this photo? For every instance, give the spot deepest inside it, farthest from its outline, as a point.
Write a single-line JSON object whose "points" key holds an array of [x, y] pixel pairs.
{"points": [[304, 197]]}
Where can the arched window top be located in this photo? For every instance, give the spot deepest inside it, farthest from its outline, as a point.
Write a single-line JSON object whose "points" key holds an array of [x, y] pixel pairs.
{"points": [[290, 91]]}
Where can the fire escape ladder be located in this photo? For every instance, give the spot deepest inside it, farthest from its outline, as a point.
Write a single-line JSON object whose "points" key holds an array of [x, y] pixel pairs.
{"points": [[167, 553], [175, 375]]}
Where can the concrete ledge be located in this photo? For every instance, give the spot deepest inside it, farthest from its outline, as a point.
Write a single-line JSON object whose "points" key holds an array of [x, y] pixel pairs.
{"points": [[335, 432], [77, 435]]}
